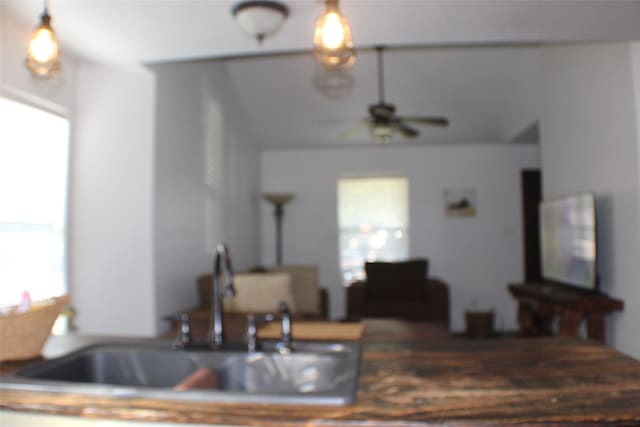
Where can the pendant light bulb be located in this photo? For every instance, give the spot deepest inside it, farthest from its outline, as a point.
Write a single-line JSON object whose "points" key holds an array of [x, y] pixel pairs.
{"points": [[44, 53], [332, 41], [332, 33], [43, 46]]}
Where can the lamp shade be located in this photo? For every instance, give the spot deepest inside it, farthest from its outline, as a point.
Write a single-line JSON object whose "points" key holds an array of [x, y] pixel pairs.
{"points": [[260, 19], [278, 198]]}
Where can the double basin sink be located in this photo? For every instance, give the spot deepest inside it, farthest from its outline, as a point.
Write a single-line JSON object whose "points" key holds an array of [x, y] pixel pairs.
{"points": [[315, 373]]}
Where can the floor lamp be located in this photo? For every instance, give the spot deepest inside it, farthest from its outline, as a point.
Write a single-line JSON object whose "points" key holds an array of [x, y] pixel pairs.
{"points": [[278, 200]]}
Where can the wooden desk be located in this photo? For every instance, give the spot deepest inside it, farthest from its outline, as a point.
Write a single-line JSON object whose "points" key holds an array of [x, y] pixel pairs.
{"points": [[540, 303]]}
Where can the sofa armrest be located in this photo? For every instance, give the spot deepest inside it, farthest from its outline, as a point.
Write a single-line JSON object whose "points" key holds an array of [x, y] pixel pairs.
{"points": [[438, 301], [356, 301]]}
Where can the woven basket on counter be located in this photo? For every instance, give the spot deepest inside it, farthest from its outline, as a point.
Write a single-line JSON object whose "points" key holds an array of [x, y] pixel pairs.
{"points": [[23, 334]]}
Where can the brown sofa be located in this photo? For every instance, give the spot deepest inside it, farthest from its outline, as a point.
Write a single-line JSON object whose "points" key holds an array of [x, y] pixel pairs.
{"points": [[399, 290]]}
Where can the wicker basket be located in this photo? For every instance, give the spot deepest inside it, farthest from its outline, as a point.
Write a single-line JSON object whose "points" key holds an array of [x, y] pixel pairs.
{"points": [[22, 335]]}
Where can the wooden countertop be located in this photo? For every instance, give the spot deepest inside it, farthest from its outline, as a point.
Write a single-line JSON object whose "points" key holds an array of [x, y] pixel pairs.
{"points": [[434, 380]]}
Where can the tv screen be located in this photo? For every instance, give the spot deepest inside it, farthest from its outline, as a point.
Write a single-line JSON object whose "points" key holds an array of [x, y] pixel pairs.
{"points": [[568, 240]]}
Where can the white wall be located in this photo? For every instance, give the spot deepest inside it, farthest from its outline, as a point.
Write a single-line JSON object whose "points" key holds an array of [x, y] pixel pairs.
{"points": [[635, 56], [590, 143], [206, 180], [477, 256], [111, 266], [202, 190], [109, 214]]}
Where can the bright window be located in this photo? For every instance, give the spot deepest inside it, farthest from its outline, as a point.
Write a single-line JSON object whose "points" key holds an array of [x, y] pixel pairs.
{"points": [[373, 218], [34, 151]]}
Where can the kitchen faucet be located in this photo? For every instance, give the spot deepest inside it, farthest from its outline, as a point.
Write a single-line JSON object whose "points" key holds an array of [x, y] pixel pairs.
{"points": [[285, 346], [221, 264]]}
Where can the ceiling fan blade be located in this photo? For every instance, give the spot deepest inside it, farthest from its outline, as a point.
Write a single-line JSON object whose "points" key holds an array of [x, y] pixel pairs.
{"points": [[431, 121], [405, 129]]}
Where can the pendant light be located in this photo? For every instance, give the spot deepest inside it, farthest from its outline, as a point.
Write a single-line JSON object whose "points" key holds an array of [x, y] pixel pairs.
{"points": [[332, 41], [43, 59]]}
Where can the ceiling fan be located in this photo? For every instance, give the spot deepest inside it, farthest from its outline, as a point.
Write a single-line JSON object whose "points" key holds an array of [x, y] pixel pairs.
{"points": [[383, 122]]}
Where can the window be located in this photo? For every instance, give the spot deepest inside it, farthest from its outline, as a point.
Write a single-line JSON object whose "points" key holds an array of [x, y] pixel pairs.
{"points": [[34, 151], [373, 219]]}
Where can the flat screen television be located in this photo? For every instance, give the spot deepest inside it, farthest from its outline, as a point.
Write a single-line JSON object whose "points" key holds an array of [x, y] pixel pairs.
{"points": [[568, 241]]}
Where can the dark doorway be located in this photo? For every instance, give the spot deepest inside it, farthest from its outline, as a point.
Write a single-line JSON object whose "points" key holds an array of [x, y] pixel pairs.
{"points": [[531, 183]]}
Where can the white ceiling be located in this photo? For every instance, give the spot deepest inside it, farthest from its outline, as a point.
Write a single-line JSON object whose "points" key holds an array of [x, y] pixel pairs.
{"points": [[169, 30], [488, 93]]}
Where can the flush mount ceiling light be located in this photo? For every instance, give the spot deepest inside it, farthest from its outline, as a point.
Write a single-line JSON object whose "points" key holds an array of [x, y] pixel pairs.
{"points": [[43, 58], [260, 19], [332, 41]]}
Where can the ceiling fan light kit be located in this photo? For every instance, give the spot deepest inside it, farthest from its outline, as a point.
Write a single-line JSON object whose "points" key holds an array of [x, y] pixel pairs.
{"points": [[382, 133], [260, 19], [332, 42], [43, 57]]}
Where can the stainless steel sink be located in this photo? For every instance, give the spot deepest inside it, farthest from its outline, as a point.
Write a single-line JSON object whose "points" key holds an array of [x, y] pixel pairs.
{"points": [[315, 373]]}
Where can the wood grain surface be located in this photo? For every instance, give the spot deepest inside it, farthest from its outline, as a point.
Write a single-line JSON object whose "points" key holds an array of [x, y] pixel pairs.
{"points": [[453, 382], [315, 331]]}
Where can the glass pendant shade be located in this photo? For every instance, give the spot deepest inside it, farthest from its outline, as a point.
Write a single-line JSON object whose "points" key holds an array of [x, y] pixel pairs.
{"points": [[333, 45], [43, 57]]}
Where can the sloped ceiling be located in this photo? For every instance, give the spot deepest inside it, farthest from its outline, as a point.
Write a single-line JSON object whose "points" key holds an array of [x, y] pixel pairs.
{"points": [[481, 90]]}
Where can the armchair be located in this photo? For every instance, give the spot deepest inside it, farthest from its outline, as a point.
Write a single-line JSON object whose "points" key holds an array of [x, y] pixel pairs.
{"points": [[400, 290]]}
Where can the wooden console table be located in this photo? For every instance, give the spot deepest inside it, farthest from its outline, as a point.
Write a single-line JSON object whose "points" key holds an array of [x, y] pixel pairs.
{"points": [[540, 303]]}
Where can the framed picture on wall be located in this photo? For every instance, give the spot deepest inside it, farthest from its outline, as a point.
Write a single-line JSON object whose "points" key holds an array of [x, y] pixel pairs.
{"points": [[460, 202]]}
